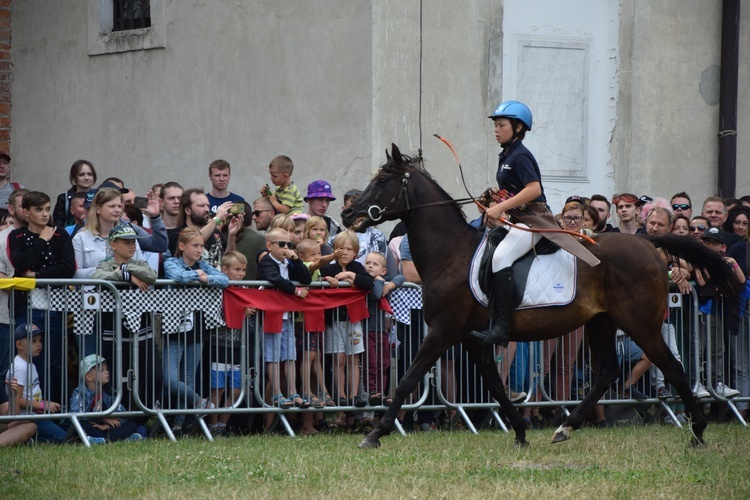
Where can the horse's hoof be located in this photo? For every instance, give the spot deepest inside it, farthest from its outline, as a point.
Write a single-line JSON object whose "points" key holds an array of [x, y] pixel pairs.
{"points": [[559, 437], [368, 443]]}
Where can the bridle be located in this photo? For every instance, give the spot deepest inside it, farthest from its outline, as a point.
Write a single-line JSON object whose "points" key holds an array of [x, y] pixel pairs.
{"points": [[376, 213]]}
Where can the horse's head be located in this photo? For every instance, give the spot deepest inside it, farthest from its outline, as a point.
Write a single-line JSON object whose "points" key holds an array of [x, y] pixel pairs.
{"points": [[385, 196]]}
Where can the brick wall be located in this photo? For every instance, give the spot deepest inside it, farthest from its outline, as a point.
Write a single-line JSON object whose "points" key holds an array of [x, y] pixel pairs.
{"points": [[6, 74]]}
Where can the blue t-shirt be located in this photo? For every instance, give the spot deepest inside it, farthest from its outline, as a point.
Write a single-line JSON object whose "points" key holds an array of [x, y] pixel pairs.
{"points": [[516, 168], [215, 202]]}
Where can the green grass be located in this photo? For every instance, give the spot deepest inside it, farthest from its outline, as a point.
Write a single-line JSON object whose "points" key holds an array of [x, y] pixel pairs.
{"points": [[626, 462]]}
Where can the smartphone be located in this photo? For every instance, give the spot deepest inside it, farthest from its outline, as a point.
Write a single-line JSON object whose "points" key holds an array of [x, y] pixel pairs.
{"points": [[140, 202], [237, 208]]}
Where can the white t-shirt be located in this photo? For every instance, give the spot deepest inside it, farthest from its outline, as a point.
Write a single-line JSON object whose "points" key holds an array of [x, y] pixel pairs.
{"points": [[27, 377]]}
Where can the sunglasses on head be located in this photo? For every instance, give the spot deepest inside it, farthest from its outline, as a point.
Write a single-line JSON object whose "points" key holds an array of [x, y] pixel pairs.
{"points": [[680, 206], [282, 244], [699, 227]]}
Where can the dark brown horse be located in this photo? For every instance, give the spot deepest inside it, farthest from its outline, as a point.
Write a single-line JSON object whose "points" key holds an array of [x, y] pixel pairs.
{"points": [[627, 290]]}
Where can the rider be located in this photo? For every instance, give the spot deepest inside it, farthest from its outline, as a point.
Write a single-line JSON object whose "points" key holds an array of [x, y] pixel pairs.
{"points": [[518, 173]]}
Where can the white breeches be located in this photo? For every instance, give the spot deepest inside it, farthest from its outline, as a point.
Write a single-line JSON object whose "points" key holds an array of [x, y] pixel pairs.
{"points": [[513, 247]]}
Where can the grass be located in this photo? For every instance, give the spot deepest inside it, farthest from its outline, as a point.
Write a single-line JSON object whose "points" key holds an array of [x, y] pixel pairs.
{"points": [[625, 462]]}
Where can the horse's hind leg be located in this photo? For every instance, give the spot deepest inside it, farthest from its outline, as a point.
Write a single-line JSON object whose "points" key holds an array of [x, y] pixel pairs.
{"points": [[429, 352], [600, 334], [658, 352], [484, 358]]}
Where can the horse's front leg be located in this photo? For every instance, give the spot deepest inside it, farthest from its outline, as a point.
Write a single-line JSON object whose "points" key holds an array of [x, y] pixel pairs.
{"points": [[483, 356], [429, 352]]}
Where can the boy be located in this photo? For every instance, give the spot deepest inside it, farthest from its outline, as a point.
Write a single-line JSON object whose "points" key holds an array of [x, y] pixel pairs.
{"points": [[121, 266], [281, 266], [16, 432], [344, 338], [378, 347], [287, 199], [90, 397], [226, 369], [42, 251], [28, 339]]}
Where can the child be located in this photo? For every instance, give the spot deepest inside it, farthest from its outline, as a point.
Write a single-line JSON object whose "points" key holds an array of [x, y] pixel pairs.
{"points": [[298, 233], [309, 343], [287, 198], [90, 397], [121, 266], [316, 229], [342, 337], [226, 369], [182, 356], [378, 347], [281, 266], [28, 339], [16, 432], [42, 251]]}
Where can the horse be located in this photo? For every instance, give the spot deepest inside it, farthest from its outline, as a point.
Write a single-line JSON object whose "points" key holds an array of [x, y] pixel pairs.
{"points": [[627, 290]]}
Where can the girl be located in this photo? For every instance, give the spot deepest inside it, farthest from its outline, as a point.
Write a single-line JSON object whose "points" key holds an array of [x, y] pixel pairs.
{"points": [[182, 355], [518, 174], [343, 338], [316, 229], [83, 178]]}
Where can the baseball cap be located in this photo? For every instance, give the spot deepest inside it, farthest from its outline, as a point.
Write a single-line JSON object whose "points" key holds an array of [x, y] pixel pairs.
{"points": [[319, 189], [104, 185], [122, 232], [22, 331], [89, 362], [643, 200], [5, 154], [714, 233]]}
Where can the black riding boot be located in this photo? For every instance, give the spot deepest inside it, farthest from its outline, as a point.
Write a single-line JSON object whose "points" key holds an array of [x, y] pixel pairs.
{"points": [[502, 291]]}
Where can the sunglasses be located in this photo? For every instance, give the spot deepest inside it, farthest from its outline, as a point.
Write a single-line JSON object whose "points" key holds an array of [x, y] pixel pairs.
{"points": [[698, 228], [258, 212], [572, 218], [282, 244], [680, 206]]}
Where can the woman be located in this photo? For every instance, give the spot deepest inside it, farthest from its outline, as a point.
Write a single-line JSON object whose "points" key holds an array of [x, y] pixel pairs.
{"points": [[519, 175], [738, 222], [681, 226], [83, 178]]}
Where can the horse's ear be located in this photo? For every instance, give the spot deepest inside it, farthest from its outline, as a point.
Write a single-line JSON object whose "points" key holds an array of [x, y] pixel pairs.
{"points": [[395, 153], [387, 155]]}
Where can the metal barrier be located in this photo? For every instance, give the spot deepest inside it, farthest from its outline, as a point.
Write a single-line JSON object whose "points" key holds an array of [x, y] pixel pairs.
{"points": [[173, 358]]}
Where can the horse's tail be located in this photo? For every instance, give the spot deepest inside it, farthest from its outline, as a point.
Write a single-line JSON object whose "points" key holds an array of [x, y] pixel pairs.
{"points": [[712, 266]]}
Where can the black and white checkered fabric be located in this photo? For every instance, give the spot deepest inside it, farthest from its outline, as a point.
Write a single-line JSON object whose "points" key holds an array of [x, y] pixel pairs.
{"points": [[402, 301], [173, 304]]}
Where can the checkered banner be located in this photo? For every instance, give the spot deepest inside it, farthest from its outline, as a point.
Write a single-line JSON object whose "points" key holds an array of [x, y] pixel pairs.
{"points": [[403, 300], [173, 304]]}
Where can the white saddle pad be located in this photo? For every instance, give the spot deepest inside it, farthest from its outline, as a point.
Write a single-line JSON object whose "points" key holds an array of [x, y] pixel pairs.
{"points": [[551, 280]]}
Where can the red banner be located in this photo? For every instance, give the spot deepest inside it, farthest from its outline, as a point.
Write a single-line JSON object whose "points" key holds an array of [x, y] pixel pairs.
{"points": [[275, 303]]}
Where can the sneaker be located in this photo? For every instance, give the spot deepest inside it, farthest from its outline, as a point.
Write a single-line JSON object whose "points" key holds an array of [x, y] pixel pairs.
{"points": [[205, 404], [134, 437], [701, 392], [513, 395], [725, 391], [663, 393], [681, 418], [667, 419], [97, 440]]}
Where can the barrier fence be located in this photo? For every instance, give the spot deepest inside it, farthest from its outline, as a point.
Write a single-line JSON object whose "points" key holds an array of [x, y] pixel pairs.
{"points": [[175, 365]]}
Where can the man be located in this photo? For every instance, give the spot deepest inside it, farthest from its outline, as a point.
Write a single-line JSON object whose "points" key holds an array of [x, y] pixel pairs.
{"points": [[698, 226], [169, 199], [6, 186], [15, 210], [715, 211], [659, 221], [263, 212], [682, 205], [627, 211], [319, 197], [195, 212], [77, 213], [604, 207], [249, 242], [218, 173]]}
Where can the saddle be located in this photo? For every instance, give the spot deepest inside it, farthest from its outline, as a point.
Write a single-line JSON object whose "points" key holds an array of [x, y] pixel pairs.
{"points": [[521, 267]]}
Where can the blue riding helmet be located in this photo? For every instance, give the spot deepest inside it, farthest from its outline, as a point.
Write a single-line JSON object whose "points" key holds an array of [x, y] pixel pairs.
{"points": [[513, 109]]}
